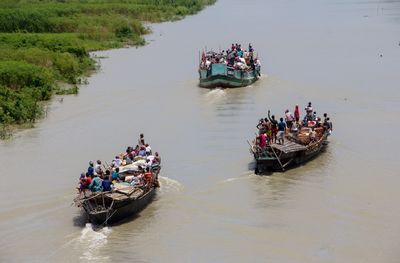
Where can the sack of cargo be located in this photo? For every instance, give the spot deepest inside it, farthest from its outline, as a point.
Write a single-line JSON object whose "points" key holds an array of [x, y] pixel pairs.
{"points": [[319, 131], [130, 168], [137, 158], [304, 139]]}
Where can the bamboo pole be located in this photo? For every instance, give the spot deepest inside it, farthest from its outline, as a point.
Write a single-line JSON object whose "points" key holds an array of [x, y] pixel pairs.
{"points": [[279, 160]]}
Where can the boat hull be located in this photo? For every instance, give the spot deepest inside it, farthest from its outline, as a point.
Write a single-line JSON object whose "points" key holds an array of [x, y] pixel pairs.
{"points": [[222, 81], [265, 165], [121, 211], [222, 76]]}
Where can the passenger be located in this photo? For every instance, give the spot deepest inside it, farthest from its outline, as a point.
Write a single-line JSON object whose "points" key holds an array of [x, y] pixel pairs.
{"points": [[208, 63], [245, 56], [90, 169], [250, 48], [157, 158], [274, 126], [117, 161], [148, 163], [108, 174], [257, 66], [136, 150], [297, 113], [294, 129], [251, 60], [115, 175], [309, 111], [82, 183], [262, 138], [268, 128], [325, 116], [106, 183], [128, 150], [148, 176], [88, 179], [281, 131], [96, 185], [305, 121], [329, 125], [141, 140], [142, 151], [98, 170], [148, 149], [129, 159], [289, 118], [261, 126], [150, 159], [314, 116]]}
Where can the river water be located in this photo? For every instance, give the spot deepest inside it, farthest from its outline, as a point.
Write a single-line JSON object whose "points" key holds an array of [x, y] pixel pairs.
{"points": [[340, 207]]}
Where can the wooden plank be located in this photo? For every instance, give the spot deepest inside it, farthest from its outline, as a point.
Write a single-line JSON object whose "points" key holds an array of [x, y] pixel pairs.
{"points": [[288, 146]]}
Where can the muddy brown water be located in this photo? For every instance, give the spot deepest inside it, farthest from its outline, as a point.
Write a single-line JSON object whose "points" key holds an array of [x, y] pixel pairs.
{"points": [[340, 207]]}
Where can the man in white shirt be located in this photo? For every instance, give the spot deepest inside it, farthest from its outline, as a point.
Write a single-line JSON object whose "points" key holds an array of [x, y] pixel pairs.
{"points": [[148, 149], [117, 162]]}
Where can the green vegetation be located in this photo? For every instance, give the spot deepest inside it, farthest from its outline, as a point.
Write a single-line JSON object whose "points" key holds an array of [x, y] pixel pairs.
{"points": [[43, 42]]}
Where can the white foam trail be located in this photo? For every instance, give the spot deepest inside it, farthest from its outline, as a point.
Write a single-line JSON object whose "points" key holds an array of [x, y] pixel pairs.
{"points": [[92, 242], [242, 177], [215, 94], [170, 185]]}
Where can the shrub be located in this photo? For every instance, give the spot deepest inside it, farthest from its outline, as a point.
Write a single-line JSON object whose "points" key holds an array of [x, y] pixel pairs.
{"points": [[17, 107], [123, 31], [19, 75]]}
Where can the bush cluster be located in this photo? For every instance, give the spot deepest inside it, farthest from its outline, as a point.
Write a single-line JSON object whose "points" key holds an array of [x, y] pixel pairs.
{"points": [[46, 41]]}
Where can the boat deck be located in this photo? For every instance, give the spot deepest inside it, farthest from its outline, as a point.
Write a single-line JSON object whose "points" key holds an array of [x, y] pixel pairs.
{"points": [[288, 146]]}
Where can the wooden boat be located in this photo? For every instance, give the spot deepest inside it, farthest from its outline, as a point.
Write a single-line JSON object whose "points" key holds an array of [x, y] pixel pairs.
{"points": [[277, 157], [219, 75], [105, 208]]}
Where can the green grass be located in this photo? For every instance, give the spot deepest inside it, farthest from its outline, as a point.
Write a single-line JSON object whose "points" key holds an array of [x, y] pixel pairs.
{"points": [[43, 42]]}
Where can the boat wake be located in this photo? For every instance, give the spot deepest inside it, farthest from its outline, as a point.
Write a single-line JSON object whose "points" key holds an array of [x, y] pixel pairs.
{"points": [[244, 176], [93, 241], [215, 94], [169, 185]]}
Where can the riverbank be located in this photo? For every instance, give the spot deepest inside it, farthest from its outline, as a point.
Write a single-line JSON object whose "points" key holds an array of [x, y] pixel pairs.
{"points": [[43, 43]]}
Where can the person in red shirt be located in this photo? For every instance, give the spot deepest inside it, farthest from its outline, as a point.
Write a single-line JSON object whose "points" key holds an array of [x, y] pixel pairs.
{"points": [[148, 176], [84, 182], [297, 113], [88, 180], [262, 140]]}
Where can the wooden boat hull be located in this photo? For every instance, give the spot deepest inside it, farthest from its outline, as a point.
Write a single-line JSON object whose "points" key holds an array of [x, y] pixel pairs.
{"points": [[120, 211], [266, 164], [222, 81], [221, 76]]}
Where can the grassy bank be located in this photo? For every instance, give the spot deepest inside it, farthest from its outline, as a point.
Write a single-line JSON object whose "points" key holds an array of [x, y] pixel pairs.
{"points": [[43, 42]]}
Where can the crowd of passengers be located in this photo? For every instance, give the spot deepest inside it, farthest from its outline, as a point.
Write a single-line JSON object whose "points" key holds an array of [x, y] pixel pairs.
{"points": [[102, 178], [273, 131], [235, 57]]}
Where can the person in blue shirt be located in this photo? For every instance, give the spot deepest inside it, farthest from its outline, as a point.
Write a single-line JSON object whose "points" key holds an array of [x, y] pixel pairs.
{"points": [[250, 48], [106, 183], [90, 169], [142, 152], [281, 131], [115, 174]]}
